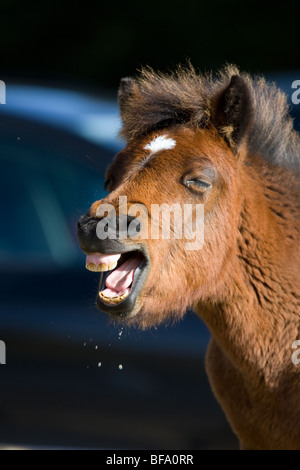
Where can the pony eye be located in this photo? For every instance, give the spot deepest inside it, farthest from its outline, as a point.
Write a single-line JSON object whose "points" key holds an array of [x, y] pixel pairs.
{"points": [[198, 185]]}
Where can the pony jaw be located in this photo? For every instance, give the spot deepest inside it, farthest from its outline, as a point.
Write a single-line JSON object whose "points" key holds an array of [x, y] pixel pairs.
{"points": [[116, 283], [126, 299], [122, 279]]}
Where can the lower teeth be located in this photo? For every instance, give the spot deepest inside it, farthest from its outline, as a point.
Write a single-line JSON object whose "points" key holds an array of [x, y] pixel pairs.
{"points": [[113, 300]]}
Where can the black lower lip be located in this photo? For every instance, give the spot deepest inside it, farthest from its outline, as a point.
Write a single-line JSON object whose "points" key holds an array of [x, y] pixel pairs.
{"points": [[127, 306]]}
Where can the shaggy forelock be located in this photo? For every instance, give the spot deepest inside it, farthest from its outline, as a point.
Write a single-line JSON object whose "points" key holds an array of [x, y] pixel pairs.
{"points": [[185, 97]]}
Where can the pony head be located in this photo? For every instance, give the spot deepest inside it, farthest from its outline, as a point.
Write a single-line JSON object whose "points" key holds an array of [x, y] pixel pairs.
{"points": [[164, 238]]}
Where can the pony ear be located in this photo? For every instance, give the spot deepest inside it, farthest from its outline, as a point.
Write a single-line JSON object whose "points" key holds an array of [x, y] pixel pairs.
{"points": [[232, 111], [128, 89]]}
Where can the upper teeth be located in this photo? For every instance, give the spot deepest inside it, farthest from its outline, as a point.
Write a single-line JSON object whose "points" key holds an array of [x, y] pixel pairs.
{"points": [[100, 267]]}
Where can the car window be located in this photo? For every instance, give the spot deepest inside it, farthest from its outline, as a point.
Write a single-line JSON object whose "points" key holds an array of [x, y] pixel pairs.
{"points": [[42, 195]]}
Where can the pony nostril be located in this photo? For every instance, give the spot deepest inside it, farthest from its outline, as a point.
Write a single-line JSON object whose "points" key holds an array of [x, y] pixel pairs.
{"points": [[123, 226], [130, 220], [133, 226]]}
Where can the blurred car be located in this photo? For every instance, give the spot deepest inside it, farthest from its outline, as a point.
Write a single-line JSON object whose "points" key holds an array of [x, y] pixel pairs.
{"points": [[72, 379]]}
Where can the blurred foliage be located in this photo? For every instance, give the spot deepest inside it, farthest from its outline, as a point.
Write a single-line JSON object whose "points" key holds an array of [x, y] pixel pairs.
{"points": [[103, 41]]}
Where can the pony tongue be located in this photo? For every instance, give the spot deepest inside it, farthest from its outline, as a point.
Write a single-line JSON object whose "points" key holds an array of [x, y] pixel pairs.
{"points": [[118, 282], [121, 278]]}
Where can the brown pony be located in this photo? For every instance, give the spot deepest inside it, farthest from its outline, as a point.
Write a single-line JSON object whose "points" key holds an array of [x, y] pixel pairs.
{"points": [[226, 143]]}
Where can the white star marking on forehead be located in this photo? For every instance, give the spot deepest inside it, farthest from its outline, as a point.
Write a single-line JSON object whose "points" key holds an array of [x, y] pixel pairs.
{"points": [[162, 142]]}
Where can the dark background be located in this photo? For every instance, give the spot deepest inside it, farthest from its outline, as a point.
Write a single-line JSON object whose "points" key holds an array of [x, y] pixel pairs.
{"points": [[102, 41]]}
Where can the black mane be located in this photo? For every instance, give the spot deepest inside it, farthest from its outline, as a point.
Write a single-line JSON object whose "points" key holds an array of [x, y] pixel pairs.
{"points": [[156, 100]]}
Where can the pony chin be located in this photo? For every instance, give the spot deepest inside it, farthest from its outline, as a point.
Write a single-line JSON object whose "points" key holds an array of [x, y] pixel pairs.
{"points": [[151, 314], [153, 309]]}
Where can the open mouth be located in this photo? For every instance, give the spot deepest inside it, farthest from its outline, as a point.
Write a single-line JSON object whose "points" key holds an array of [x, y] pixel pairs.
{"points": [[122, 277]]}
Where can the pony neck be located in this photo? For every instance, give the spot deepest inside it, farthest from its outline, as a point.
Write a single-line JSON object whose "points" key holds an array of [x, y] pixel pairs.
{"points": [[252, 313]]}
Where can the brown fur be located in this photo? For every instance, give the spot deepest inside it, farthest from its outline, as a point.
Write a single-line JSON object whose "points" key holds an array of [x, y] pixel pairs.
{"points": [[245, 281]]}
